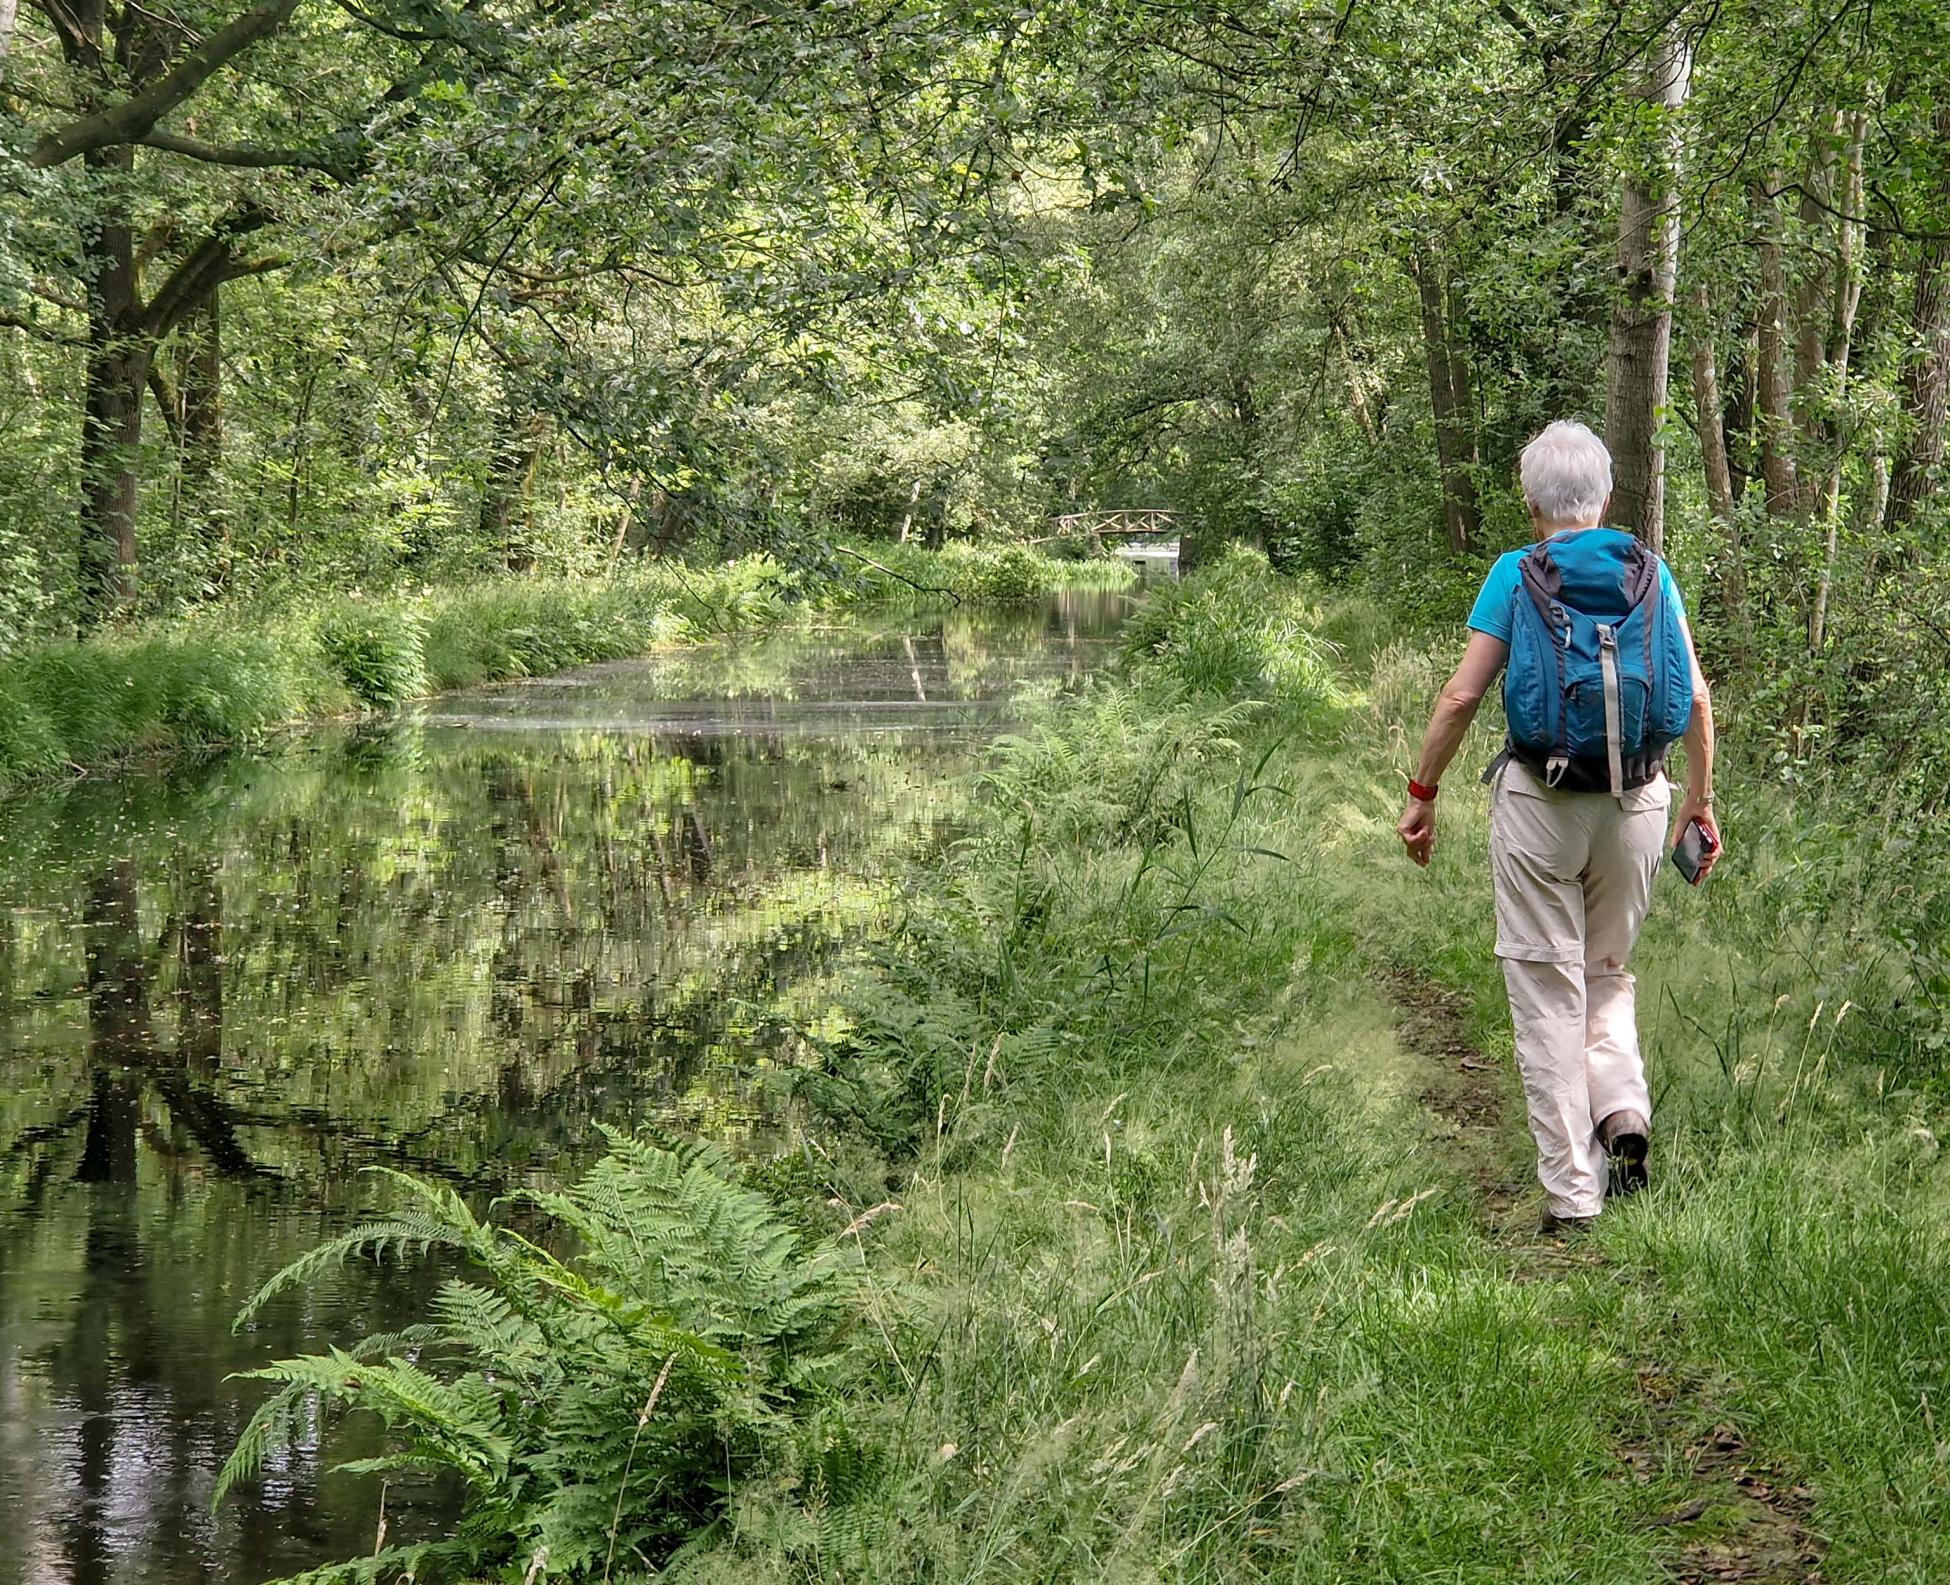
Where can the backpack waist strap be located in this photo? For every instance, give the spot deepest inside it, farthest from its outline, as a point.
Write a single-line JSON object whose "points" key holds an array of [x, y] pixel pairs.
{"points": [[1589, 772]]}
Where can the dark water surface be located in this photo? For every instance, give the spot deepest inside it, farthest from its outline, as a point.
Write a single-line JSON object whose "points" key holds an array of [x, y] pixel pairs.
{"points": [[455, 945]]}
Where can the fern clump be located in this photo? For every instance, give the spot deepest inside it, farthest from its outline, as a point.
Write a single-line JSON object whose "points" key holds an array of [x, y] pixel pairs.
{"points": [[596, 1407]]}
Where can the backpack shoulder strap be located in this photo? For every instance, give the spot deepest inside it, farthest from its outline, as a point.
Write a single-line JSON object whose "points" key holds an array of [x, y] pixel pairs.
{"points": [[1541, 579], [1641, 575]]}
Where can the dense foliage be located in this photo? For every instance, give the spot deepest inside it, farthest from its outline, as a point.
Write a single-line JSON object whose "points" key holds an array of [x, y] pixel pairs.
{"points": [[572, 329], [442, 292]]}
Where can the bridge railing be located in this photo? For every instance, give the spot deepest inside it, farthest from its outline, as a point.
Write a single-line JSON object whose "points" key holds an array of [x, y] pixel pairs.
{"points": [[1118, 521]]}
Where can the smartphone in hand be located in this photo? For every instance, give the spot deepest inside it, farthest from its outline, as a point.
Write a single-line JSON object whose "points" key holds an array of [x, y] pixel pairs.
{"points": [[1691, 850]]}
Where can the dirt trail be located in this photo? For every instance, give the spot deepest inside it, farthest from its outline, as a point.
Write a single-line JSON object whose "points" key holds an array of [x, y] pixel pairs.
{"points": [[1745, 1523]]}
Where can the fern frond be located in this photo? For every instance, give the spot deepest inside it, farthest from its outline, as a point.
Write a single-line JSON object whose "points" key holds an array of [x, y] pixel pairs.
{"points": [[445, 1221]]}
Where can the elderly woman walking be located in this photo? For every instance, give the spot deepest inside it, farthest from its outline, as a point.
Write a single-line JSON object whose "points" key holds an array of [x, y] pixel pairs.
{"points": [[1600, 679]]}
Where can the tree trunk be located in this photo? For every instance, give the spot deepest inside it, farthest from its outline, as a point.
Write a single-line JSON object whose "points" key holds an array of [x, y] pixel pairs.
{"points": [[1926, 378], [1712, 418], [1357, 395], [510, 476], [1812, 288], [111, 426], [1834, 337], [201, 385], [1737, 409], [1926, 385], [1719, 473], [1640, 360], [1772, 417], [1460, 513]]}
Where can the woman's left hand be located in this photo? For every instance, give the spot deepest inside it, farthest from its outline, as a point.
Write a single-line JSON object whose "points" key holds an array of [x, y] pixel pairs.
{"points": [[1417, 829], [1691, 809]]}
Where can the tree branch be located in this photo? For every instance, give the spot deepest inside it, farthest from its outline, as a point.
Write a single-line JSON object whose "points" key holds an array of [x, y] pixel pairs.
{"points": [[131, 120], [247, 158], [41, 332], [202, 270], [75, 42], [168, 401]]}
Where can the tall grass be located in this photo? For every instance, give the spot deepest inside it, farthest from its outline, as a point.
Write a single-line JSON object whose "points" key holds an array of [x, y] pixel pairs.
{"points": [[1169, 1274]]}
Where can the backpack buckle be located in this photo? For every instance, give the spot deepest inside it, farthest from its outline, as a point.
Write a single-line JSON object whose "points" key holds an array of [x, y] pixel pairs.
{"points": [[1554, 769]]}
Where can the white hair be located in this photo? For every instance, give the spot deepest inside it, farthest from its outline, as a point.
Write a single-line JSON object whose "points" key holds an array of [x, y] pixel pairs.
{"points": [[1566, 474]]}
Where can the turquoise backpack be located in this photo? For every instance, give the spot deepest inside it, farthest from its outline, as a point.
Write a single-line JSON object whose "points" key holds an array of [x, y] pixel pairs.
{"points": [[1600, 680]]}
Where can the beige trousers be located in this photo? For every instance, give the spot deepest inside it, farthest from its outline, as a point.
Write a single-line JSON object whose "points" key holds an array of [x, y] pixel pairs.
{"points": [[1573, 876]]}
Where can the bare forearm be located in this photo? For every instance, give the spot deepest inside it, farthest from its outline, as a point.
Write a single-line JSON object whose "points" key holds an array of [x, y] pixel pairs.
{"points": [[1699, 749], [1447, 728]]}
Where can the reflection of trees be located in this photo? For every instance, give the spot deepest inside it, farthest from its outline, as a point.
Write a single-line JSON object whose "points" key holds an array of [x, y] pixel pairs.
{"points": [[454, 961], [124, 1055], [454, 952]]}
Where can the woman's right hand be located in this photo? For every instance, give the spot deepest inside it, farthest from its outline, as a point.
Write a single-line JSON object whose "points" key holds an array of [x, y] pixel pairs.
{"points": [[1417, 829]]}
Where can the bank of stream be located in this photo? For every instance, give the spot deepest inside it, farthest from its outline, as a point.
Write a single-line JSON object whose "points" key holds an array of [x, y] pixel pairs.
{"points": [[455, 943]]}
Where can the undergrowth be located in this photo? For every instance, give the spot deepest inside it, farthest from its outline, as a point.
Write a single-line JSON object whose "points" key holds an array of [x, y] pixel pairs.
{"points": [[594, 1408], [1169, 1278]]}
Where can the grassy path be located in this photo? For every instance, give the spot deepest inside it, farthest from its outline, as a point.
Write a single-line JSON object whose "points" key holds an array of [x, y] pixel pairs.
{"points": [[1745, 1520], [1219, 1228]]}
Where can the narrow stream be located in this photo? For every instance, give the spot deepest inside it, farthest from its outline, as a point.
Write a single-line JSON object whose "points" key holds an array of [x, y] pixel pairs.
{"points": [[453, 944]]}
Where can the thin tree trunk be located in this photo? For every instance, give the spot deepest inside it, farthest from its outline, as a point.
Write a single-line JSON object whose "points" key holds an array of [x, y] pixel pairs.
{"points": [[1737, 409], [1876, 512], [1712, 417], [1926, 385], [1836, 340], [1926, 378], [1719, 473], [201, 386], [624, 523], [1640, 360], [1813, 289], [1357, 396], [1460, 513], [1772, 417], [907, 521], [111, 426]]}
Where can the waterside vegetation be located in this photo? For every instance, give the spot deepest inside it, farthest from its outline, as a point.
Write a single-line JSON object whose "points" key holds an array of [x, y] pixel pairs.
{"points": [[230, 675], [1169, 1149]]}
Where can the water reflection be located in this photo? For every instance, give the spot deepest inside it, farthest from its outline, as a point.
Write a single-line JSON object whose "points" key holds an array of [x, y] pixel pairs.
{"points": [[453, 944]]}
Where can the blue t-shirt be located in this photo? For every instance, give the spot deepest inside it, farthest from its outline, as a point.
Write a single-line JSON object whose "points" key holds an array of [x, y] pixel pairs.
{"points": [[1492, 612]]}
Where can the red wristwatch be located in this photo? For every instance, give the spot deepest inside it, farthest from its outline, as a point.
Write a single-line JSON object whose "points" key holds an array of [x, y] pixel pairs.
{"points": [[1417, 791]]}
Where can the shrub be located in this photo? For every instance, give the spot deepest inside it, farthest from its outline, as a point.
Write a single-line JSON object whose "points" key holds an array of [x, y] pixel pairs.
{"points": [[379, 650], [29, 744], [222, 688], [1235, 628], [597, 1405]]}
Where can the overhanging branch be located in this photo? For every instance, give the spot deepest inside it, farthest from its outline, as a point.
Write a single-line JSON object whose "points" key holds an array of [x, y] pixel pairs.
{"points": [[247, 158], [132, 119], [202, 270]]}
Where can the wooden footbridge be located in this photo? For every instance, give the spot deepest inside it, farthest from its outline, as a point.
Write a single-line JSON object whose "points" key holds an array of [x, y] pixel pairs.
{"points": [[1115, 522]]}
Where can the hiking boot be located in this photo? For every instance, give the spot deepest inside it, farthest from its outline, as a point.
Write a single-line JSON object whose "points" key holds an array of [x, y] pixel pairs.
{"points": [[1626, 1138], [1551, 1225]]}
